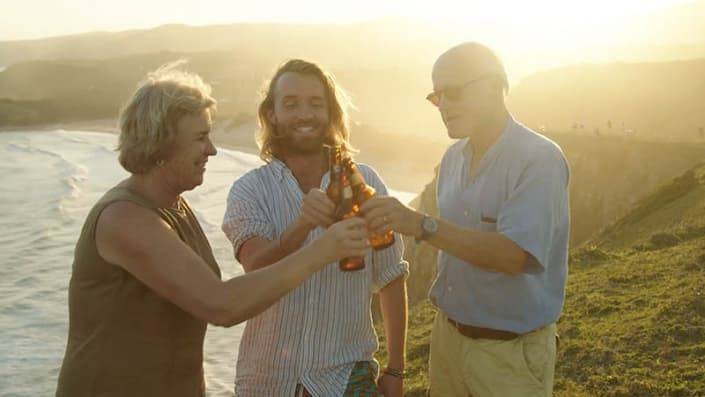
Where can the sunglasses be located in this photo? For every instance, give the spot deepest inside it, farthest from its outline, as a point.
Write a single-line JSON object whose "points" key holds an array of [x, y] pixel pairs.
{"points": [[452, 93]]}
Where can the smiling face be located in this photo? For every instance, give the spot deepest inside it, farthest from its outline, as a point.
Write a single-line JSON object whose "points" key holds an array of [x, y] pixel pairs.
{"points": [[300, 113], [476, 81], [186, 162]]}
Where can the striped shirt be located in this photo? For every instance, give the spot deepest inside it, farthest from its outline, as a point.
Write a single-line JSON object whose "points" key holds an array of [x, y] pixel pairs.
{"points": [[316, 333]]}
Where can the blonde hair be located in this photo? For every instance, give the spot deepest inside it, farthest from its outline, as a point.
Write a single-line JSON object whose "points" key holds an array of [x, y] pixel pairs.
{"points": [[148, 120], [337, 131]]}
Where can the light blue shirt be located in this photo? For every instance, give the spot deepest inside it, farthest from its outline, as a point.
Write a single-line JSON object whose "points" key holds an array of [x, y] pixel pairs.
{"points": [[520, 191]]}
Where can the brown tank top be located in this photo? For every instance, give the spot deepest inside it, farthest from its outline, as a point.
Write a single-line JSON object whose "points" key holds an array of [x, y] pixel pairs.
{"points": [[124, 339]]}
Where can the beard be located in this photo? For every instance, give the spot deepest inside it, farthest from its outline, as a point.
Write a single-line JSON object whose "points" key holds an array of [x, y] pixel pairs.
{"points": [[302, 143]]}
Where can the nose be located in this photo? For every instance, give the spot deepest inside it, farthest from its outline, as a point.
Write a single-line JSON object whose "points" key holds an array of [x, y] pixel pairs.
{"points": [[210, 149], [305, 112], [305, 115], [442, 102]]}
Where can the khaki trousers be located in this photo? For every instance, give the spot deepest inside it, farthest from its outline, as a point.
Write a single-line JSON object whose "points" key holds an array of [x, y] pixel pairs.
{"points": [[462, 366]]}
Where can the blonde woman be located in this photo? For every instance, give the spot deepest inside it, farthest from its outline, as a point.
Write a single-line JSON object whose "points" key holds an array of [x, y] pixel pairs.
{"points": [[144, 282]]}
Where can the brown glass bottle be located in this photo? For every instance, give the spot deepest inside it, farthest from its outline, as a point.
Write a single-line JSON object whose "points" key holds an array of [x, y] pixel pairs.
{"points": [[348, 209], [340, 193], [361, 193], [335, 167]]}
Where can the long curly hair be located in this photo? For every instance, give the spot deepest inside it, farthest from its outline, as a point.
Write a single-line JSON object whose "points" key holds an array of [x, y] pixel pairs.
{"points": [[337, 131]]}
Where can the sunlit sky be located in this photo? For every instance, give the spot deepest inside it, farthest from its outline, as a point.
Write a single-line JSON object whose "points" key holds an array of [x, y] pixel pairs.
{"points": [[566, 19]]}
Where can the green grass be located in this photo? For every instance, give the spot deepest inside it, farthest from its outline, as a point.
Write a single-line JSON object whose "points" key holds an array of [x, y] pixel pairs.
{"points": [[634, 317]]}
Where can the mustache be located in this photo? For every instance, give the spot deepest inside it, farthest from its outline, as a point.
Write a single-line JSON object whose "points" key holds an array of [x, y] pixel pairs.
{"points": [[300, 124], [282, 131]]}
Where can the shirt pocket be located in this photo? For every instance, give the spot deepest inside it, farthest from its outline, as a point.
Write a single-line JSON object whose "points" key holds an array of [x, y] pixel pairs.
{"points": [[488, 209], [487, 214], [487, 224]]}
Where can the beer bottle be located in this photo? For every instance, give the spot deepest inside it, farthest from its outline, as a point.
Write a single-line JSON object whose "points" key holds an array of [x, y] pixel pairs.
{"points": [[335, 187], [340, 193], [361, 193], [348, 209]]}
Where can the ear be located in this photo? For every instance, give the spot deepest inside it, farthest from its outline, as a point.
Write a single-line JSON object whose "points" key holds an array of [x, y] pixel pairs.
{"points": [[498, 88], [271, 117]]}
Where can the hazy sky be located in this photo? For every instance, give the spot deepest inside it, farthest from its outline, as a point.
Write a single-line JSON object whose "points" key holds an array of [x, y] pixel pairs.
{"points": [[28, 19]]}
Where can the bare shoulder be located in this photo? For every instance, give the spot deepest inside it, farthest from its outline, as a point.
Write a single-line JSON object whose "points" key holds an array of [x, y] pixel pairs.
{"points": [[121, 214], [126, 229]]}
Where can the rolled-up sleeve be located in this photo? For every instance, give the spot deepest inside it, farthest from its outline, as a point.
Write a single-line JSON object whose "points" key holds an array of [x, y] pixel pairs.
{"points": [[245, 217], [535, 209], [388, 264]]}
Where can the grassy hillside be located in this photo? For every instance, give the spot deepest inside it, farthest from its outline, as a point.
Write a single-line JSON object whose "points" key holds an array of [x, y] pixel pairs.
{"points": [[634, 317], [609, 175]]}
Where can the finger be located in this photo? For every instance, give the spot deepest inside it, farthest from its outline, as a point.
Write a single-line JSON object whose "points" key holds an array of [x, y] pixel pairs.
{"points": [[326, 202], [355, 240], [318, 194], [356, 249], [323, 205], [317, 208], [317, 217], [377, 216], [376, 225], [356, 244], [375, 213], [357, 234], [354, 223], [374, 202], [360, 232]]}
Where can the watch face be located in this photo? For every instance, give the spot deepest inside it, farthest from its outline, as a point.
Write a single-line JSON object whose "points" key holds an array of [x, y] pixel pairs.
{"points": [[430, 225]]}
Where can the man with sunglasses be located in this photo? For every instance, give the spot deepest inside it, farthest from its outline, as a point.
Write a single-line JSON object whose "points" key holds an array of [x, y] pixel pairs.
{"points": [[502, 233]]}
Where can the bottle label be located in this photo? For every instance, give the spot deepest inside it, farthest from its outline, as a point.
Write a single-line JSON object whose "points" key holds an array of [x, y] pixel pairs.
{"points": [[347, 193]]}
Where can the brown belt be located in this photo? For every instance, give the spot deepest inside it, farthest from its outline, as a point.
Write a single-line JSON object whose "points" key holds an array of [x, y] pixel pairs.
{"points": [[482, 333]]}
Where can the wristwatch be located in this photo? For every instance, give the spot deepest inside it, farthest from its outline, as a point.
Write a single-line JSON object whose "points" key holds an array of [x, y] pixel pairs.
{"points": [[429, 226]]}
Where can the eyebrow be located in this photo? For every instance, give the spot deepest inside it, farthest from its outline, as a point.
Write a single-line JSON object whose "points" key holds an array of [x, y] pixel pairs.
{"points": [[287, 97]]}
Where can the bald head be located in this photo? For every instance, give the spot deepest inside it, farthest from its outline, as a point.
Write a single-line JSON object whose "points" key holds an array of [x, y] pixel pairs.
{"points": [[467, 61], [469, 88]]}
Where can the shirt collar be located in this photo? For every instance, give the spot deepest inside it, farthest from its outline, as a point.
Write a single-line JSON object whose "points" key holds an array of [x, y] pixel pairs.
{"points": [[279, 168], [496, 147]]}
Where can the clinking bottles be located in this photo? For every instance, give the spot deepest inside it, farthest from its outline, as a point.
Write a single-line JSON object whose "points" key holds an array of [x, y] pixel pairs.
{"points": [[348, 209], [348, 191], [340, 192], [361, 193]]}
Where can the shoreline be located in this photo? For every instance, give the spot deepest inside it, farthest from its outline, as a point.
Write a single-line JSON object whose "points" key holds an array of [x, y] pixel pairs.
{"points": [[222, 135], [228, 135]]}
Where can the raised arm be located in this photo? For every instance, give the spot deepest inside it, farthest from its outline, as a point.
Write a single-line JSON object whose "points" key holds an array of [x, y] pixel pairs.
{"points": [[254, 242], [158, 258]]}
